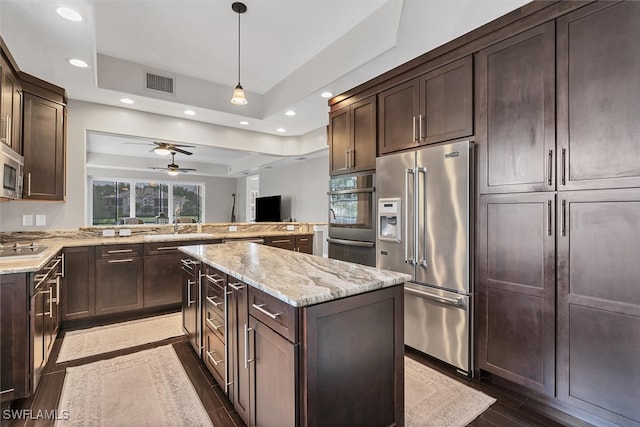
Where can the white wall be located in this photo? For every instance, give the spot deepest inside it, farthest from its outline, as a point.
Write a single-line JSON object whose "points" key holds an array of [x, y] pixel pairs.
{"points": [[303, 187]]}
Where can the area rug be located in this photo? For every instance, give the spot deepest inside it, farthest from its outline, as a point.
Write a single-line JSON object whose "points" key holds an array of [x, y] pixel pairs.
{"points": [[147, 388], [103, 339], [433, 399]]}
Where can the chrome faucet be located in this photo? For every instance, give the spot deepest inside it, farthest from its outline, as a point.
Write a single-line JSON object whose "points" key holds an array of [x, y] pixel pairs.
{"points": [[175, 219]]}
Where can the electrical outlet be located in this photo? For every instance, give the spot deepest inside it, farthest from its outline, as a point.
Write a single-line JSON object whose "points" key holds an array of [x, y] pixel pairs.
{"points": [[27, 220], [108, 233], [233, 228], [124, 232], [291, 227], [41, 220]]}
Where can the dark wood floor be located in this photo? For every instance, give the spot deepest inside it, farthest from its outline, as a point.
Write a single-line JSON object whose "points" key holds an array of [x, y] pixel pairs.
{"points": [[510, 409]]}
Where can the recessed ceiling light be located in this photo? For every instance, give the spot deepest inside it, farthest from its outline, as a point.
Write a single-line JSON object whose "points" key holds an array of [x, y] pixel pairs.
{"points": [[190, 112], [68, 13], [281, 130], [244, 122], [326, 94], [126, 100], [78, 63], [290, 113]]}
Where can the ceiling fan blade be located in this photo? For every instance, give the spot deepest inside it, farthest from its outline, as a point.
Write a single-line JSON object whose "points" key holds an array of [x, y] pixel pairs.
{"points": [[186, 170], [178, 150], [169, 144], [158, 169]]}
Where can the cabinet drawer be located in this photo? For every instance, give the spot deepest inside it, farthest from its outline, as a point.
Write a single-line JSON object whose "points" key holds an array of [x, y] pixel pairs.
{"points": [[172, 246], [119, 251], [305, 244], [213, 320], [278, 315], [214, 356], [284, 242]]}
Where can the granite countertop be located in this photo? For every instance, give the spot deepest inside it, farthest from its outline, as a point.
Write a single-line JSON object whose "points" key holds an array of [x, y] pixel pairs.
{"points": [[293, 277], [54, 245]]}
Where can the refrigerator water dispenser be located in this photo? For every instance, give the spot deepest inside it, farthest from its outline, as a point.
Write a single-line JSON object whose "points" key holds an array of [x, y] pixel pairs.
{"points": [[389, 219]]}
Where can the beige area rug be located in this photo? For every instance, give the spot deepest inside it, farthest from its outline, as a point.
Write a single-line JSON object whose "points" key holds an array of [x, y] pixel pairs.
{"points": [[147, 388], [433, 399], [103, 339]]}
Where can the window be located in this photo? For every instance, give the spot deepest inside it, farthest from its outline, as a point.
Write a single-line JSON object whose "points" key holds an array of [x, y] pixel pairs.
{"points": [[152, 202]]}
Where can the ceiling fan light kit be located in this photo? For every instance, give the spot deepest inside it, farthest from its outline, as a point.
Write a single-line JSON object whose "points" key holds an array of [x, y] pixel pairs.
{"points": [[238, 97], [172, 168]]}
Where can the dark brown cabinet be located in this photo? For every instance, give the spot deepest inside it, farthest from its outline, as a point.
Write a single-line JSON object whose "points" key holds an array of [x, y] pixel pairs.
{"points": [[516, 288], [515, 129], [352, 137], [119, 278], [298, 243], [191, 302], [14, 336], [237, 334], [434, 107], [214, 325], [43, 149], [599, 302], [78, 292], [598, 93], [10, 107]]}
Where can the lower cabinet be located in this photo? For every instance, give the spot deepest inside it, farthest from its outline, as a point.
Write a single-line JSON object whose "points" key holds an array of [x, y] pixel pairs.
{"points": [[299, 243], [79, 290], [119, 278], [14, 336], [190, 302]]}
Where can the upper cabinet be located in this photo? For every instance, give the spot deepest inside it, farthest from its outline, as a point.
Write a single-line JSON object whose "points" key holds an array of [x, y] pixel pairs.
{"points": [[515, 127], [352, 137], [10, 106], [599, 97], [434, 107], [43, 145]]}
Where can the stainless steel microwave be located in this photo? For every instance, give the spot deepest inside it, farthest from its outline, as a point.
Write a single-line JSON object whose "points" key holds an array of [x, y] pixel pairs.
{"points": [[12, 164]]}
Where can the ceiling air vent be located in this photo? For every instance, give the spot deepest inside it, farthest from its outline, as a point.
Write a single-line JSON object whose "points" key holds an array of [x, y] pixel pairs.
{"points": [[160, 83]]}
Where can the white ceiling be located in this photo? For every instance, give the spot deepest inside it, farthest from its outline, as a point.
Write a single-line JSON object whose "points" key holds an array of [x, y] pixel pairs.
{"points": [[292, 50]]}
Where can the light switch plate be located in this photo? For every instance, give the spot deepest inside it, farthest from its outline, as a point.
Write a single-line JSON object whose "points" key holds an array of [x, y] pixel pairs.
{"points": [[41, 220], [27, 220], [108, 233], [233, 228], [291, 227]]}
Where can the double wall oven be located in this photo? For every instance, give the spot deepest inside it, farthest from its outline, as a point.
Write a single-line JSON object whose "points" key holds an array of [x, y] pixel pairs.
{"points": [[352, 216]]}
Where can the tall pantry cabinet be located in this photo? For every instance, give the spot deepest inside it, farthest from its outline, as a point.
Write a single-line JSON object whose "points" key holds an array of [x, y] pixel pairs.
{"points": [[559, 213]]}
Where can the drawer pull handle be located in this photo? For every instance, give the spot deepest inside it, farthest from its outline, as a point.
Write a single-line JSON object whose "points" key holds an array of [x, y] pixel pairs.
{"points": [[258, 307], [166, 248], [212, 279], [119, 251], [281, 241], [215, 304], [213, 325], [117, 261], [238, 286], [214, 361]]}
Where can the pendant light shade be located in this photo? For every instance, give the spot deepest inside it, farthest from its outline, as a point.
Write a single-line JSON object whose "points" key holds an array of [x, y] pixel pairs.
{"points": [[238, 96]]}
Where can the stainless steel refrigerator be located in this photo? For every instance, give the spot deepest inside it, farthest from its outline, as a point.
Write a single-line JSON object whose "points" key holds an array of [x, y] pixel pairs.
{"points": [[424, 229]]}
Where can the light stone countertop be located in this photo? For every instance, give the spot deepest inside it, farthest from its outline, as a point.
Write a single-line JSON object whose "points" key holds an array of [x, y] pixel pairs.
{"points": [[293, 277]]}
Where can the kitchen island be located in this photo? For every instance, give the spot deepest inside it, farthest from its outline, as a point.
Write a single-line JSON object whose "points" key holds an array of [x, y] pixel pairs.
{"points": [[296, 339]]}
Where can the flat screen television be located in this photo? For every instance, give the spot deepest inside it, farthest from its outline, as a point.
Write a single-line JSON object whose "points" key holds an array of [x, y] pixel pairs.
{"points": [[268, 209]]}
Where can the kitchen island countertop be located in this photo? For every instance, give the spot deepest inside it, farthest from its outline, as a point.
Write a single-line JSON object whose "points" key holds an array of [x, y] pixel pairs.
{"points": [[295, 278]]}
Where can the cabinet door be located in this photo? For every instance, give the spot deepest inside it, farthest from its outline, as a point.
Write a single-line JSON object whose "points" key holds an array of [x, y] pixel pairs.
{"points": [[363, 134], [10, 106], [118, 284], [238, 334], [599, 97], [516, 288], [304, 244], [398, 117], [79, 289], [339, 140], [599, 302], [273, 367], [282, 242], [14, 336], [446, 102], [38, 327], [162, 280], [43, 149], [190, 287], [516, 113]]}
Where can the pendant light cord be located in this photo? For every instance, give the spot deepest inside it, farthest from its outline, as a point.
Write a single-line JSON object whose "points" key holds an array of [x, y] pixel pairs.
{"points": [[238, 47]]}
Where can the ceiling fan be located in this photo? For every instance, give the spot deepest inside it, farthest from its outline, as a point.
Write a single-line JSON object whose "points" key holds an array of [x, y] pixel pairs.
{"points": [[172, 168], [165, 148]]}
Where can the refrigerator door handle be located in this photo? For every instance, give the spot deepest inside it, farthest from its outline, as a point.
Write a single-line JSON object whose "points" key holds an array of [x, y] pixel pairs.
{"points": [[422, 261], [456, 302], [408, 173]]}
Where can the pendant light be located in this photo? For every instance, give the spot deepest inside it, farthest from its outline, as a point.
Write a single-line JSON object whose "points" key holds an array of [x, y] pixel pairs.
{"points": [[238, 97]]}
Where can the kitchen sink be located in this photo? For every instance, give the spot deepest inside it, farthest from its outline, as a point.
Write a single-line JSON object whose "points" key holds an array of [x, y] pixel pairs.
{"points": [[173, 236]]}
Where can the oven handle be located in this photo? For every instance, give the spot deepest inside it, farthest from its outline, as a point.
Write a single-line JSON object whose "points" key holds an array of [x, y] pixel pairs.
{"points": [[352, 243], [355, 190]]}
